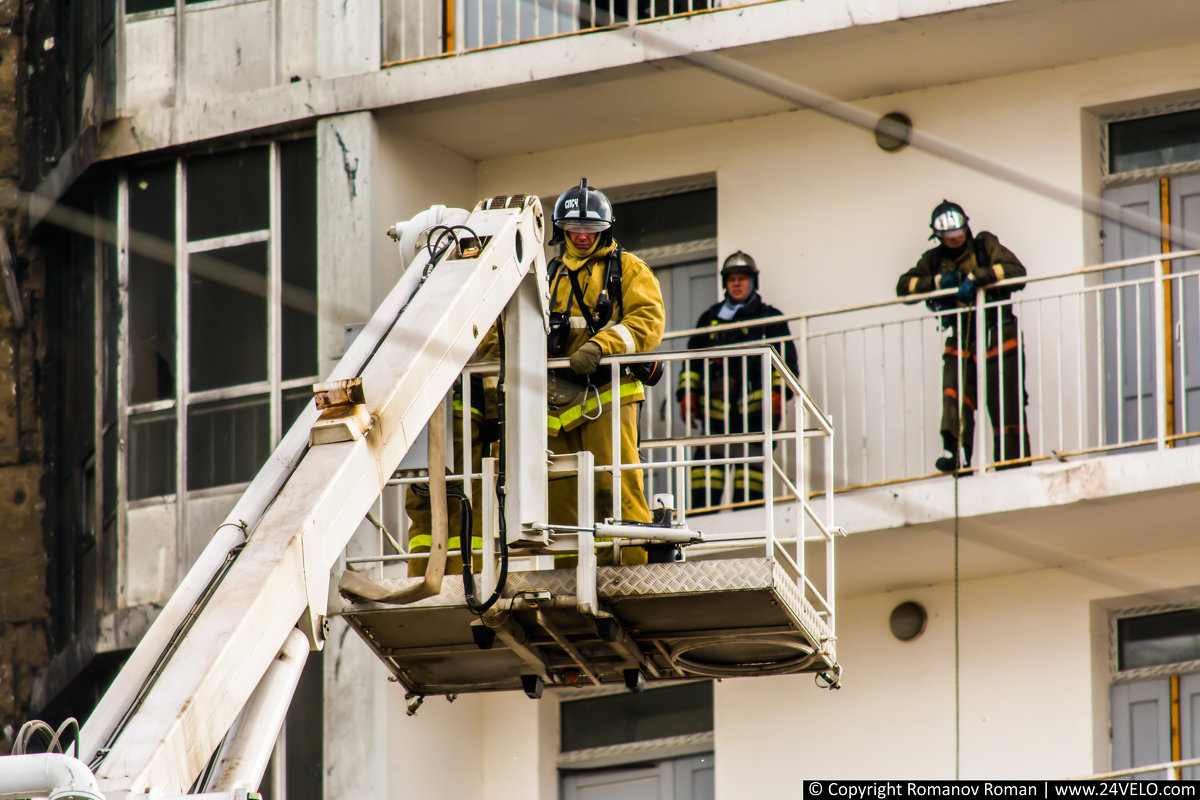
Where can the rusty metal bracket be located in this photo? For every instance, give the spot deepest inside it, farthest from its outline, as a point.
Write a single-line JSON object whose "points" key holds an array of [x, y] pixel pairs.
{"points": [[344, 415]]}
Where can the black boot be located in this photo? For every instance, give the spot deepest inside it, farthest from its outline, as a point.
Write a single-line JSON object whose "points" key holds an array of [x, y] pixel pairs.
{"points": [[949, 460]]}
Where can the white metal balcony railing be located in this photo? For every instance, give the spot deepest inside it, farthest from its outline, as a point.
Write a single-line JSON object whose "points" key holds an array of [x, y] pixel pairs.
{"points": [[417, 29], [1111, 363], [1170, 770]]}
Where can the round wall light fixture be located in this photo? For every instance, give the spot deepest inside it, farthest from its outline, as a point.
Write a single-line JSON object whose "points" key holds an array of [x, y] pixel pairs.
{"points": [[908, 621], [893, 132]]}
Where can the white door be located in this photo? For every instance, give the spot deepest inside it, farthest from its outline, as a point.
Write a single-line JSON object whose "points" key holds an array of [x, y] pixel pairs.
{"points": [[1141, 725], [1129, 406], [678, 779], [1185, 304], [652, 782], [687, 289], [1189, 723], [694, 778]]}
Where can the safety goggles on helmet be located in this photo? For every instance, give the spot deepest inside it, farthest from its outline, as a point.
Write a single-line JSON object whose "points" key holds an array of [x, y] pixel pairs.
{"points": [[584, 225], [582, 209], [947, 217], [949, 221]]}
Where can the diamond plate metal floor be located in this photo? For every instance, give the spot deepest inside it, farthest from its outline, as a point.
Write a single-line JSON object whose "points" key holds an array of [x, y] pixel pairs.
{"points": [[719, 618]]}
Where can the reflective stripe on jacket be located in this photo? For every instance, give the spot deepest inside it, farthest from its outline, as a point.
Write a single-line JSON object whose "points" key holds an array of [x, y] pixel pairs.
{"points": [[423, 541], [592, 402]]}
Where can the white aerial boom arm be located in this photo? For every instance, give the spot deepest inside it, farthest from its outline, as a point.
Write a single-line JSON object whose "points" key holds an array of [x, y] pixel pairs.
{"points": [[191, 676]]}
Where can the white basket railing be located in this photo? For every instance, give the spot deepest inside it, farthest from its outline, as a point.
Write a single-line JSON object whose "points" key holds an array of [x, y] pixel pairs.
{"points": [[782, 449]]}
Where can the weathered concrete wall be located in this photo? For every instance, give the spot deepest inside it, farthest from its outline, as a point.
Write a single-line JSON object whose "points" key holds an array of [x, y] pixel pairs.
{"points": [[23, 603]]}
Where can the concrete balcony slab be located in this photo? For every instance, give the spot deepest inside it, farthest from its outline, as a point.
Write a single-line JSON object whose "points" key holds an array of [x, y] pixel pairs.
{"points": [[848, 50], [1073, 515]]}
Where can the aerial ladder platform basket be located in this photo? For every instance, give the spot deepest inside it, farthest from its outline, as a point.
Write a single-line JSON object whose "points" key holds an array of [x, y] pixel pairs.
{"points": [[718, 618], [738, 604]]}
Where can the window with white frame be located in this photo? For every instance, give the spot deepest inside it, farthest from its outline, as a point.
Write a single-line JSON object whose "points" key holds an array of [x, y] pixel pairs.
{"points": [[220, 312]]}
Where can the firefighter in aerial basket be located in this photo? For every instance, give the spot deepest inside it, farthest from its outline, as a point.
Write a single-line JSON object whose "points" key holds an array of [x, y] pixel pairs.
{"points": [[966, 261], [727, 394], [604, 300]]}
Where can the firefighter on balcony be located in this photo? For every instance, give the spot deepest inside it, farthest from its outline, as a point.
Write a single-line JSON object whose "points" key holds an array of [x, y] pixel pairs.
{"points": [[966, 261], [729, 392], [604, 301]]}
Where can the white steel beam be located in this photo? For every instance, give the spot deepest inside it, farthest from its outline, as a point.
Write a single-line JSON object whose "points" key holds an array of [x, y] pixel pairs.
{"points": [[251, 741], [524, 411]]}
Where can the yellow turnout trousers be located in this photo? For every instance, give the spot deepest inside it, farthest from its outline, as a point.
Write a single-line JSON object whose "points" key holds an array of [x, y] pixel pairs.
{"points": [[596, 436]]}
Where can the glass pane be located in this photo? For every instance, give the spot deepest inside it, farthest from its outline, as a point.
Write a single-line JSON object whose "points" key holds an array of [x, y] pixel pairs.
{"points": [[1159, 639], [227, 322], [227, 193], [134, 6], [227, 441], [152, 283], [298, 179], [151, 455], [623, 718], [660, 221], [1154, 141], [294, 402]]}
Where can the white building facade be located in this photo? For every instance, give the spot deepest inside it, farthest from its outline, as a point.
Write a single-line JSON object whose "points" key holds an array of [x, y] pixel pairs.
{"points": [[284, 136]]}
